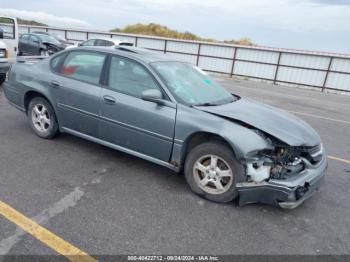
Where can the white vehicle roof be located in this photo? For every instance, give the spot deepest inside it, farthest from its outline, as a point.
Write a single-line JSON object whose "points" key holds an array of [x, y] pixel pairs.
{"points": [[114, 40]]}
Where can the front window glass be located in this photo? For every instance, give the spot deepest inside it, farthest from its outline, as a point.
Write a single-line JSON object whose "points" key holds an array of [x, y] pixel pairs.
{"points": [[7, 25], [84, 66], [25, 37], [33, 38], [190, 85], [130, 78]]}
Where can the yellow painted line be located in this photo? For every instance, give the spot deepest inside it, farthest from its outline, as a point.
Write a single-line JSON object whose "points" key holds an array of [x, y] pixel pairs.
{"points": [[339, 159], [51, 240]]}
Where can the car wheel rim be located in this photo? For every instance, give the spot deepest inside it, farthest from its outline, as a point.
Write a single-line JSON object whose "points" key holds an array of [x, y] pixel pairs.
{"points": [[41, 118], [212, 174]]}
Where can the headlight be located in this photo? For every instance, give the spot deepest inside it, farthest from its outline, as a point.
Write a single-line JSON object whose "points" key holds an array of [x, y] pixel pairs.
{"points": [[2, 53]]}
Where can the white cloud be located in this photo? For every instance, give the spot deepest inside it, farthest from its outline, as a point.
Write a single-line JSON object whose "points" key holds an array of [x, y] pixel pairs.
{"points": [[298, 15], [294, 15], [46, 18], [311, 24]]}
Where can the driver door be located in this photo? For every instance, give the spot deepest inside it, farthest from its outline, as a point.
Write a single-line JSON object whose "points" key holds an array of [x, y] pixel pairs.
{"points": [[129, 121]]}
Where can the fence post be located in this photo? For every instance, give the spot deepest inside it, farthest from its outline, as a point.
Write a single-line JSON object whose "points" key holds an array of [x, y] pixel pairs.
{"points": [[136, 38], [87, 35], [165, 45], [233, 62], [327, 73], [198, 53], [65, 34], [277, 67]]}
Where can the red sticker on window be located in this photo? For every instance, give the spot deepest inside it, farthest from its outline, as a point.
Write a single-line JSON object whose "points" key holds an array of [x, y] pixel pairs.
{"points": [[69, 70]]}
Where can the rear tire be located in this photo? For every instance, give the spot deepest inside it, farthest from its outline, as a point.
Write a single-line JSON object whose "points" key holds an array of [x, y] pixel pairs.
{"points": [[2, 78], [42, 118], [211, 171]]}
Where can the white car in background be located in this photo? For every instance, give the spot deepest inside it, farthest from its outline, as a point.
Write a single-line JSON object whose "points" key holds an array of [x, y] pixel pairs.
{"points": [[8, 44], [102, 41]]}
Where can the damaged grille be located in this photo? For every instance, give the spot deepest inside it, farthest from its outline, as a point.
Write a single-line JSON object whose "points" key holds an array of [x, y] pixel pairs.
{"points": [[289, 160], [282, 162], [313, 154], [288, 155]]}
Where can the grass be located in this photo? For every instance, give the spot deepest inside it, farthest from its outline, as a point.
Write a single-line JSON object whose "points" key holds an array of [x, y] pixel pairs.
{"points": [[153, 29]]}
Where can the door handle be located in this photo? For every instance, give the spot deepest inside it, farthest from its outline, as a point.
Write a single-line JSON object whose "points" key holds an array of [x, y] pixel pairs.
{"points": [[55, 83], [109, 99]]}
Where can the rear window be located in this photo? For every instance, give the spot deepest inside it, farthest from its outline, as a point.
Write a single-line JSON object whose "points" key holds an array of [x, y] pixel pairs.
{"points": [[83, 66], [55, 62], [90, 42]]}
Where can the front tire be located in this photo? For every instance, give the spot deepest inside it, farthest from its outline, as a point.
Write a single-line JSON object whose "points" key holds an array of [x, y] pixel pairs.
{"points": [[2, 78], [44, 52], [211, 171], [42, 118]]}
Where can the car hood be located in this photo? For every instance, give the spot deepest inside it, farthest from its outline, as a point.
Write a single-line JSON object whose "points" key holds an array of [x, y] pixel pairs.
{"points": [[278, 123], [58, 45]]}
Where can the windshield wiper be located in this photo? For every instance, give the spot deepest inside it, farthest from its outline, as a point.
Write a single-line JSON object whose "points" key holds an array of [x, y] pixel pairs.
{"points": [[206, 104]]}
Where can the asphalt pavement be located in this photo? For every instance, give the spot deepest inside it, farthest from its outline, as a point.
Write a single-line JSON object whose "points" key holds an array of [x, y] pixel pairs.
{"points": [[107, 202]]}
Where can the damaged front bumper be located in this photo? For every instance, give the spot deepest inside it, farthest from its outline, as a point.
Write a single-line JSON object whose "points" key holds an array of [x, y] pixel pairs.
{"points": [[287, 193]]}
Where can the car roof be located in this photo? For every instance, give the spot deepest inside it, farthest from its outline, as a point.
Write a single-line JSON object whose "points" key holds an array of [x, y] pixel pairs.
{"points": [[40, 33], [142, 54], [114, 40]]}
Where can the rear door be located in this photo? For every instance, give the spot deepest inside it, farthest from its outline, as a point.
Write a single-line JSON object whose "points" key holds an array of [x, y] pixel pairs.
{"points": [[129, 121], [78, 91], [23, 43], [34, 45]]}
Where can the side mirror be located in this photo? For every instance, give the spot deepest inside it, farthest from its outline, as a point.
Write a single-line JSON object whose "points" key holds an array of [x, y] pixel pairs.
{"points": [[80, 44], [153, 95], [1, 33]]}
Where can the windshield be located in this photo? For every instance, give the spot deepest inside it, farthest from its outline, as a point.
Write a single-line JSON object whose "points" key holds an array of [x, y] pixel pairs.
{"points": [[190, 85], [59, 38], [47, 39]]}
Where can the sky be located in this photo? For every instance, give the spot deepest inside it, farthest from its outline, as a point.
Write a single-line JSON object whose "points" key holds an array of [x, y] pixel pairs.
{"points": [[320, 25]]}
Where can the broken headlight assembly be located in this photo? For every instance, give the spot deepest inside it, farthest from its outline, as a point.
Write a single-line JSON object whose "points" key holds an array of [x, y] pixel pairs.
{"points": [[281, 162]]}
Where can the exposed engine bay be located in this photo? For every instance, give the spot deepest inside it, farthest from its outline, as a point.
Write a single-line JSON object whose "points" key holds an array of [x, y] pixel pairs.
{"points": [[282, 161]]}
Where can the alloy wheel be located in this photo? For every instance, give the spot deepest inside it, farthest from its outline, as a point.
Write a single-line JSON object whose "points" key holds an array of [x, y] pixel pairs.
{"points": [[41, 118], [212, 174]]}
